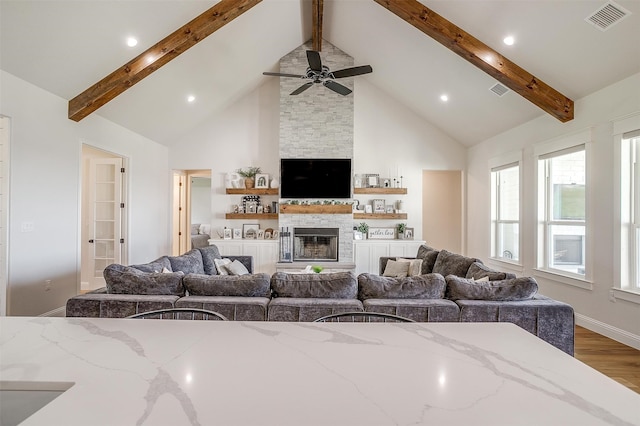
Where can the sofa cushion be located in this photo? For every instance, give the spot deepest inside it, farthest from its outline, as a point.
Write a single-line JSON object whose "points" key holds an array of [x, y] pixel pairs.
{"points": [[102, 305], [256, 285], [189, 263], [448, 263], [158, 265], [309, 309], [428, 256], [396, 269], [337, 285], [429, 286], [522, 288], [233, 308], [209, 253], [419, 310], [127, 280], [479, 270]]}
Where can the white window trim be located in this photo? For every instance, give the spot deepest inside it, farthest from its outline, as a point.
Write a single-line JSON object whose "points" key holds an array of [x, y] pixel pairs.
{"points": [[542, 149], [621, 207], [507, 159]]}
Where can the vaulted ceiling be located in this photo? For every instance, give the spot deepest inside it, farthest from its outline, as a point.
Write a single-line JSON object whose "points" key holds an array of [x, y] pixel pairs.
{"points": [[67, 46]]}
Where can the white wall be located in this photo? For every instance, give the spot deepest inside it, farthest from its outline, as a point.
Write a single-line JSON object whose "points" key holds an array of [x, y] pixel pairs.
{"points": [[45, 190], [386, 135], [619, 319], [389, 135]]}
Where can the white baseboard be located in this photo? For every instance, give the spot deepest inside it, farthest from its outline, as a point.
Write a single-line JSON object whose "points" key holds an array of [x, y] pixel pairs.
{"points": [[58, 312], [609, 331]]}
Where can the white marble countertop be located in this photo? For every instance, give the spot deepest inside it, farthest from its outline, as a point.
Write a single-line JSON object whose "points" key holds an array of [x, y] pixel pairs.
{"points": [[160, 372]]}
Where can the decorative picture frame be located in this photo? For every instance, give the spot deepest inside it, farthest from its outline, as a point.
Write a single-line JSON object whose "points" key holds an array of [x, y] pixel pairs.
{"points": [[262, 180], [227, 233], [251, 207], [260, 234], [385, 233], [368, 208], [389, 208], [237, 233], [260, 209], [250, 230], [378, 205], [275, 235], [373, 181], [408, 233]]}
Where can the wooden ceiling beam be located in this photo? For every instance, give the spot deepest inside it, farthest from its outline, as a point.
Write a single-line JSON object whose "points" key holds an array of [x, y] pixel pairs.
{"points": [[318, 6], [156, 56], [483, 57]]}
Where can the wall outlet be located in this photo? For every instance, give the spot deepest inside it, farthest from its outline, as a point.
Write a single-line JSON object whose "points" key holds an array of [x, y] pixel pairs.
{"points": [[47, 285], [27, 227]]}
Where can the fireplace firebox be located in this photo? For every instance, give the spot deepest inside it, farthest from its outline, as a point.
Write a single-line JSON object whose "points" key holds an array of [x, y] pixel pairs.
{"points": [[315, 244]]}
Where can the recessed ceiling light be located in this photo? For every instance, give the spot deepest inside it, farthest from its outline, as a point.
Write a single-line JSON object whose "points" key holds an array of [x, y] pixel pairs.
{"points": [[509, 40], [131, 41], [191, 98], [444, 98]]}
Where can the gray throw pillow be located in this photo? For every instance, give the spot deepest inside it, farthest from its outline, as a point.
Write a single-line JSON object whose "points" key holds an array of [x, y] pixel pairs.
{"points": [[209, 254], [189, 263], [338, 285], [429, 286], [428, 256], [256, 285], [157, 265], [523, 288], [479, 270], [126, 280], [449, 263]]}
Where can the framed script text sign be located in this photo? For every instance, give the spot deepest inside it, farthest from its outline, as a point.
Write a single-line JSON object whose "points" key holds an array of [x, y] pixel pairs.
{"points": [[382, 233]]}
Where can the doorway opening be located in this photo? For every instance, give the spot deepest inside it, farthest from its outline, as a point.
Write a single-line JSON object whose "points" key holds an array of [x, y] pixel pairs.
{"points": [[103, 215], [191, 210]]}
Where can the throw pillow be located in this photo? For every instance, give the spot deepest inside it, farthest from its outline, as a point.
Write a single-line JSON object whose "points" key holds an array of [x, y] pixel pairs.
{"points": [[479, 270], [220, 265], [235, 268], [522, 288], [415, 266], [195, 228], [429, 286], [209, 253], [189, 263], [428, 256], [396, 269], [449, 263]]}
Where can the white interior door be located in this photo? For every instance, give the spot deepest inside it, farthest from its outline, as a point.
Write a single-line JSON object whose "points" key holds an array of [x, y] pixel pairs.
{"points": [[104, 238]]}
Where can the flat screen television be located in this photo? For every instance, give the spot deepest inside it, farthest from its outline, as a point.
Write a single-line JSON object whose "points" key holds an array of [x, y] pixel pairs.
{"points": [[327, 178]]}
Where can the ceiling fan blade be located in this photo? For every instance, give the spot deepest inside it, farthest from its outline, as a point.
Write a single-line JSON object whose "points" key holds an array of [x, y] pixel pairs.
{"points": [[302, 88], [315, 63], [336, 87], [280, 74], [350, 72]]}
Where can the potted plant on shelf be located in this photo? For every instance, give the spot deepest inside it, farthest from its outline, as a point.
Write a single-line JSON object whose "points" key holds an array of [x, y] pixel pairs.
{"points": [[364, 229], [401, 227], [249, 175]]}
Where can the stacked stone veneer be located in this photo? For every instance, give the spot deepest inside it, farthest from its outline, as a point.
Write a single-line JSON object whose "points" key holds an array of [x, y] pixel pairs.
{"points": [[318, 123]]}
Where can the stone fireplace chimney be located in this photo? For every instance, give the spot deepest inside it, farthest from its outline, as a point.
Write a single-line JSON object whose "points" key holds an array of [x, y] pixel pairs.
{"points": [[317, 123]]}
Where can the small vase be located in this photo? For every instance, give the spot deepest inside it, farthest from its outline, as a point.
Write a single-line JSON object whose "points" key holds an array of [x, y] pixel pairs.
{"points": [[249, 183]]}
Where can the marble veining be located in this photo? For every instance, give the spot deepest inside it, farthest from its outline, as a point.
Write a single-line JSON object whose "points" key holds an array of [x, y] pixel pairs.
{"points": [[157, 372]]}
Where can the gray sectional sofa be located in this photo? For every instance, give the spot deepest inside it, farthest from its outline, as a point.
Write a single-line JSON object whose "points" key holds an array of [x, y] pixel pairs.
{"points": [[435, 286]]}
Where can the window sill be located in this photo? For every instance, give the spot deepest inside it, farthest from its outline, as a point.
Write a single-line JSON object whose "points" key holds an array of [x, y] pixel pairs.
{"points": [[563, 279], [628, 295], [507, 266]]}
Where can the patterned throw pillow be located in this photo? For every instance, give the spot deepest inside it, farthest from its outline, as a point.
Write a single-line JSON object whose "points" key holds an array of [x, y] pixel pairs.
{"points": [[396, 269]]}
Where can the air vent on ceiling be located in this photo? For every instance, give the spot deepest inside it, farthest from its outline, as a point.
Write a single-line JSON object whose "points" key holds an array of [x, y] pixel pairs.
{"points": [[607, 16], [499, 89]]}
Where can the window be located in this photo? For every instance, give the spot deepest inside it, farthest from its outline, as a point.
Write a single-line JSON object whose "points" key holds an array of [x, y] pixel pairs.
{"points": [[505, 212], [630, 212], [562, 215]]}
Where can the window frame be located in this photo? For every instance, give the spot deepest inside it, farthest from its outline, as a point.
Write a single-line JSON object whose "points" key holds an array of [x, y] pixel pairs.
{"points": [[626, 135], [495, 216], [544, 219]]}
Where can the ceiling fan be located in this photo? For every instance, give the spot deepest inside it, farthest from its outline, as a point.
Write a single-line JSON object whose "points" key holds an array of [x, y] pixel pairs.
{"points": [[318, 73]]}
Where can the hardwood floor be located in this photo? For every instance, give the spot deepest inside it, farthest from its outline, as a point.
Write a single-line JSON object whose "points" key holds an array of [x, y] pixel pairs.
{"points": [[611, 358]]}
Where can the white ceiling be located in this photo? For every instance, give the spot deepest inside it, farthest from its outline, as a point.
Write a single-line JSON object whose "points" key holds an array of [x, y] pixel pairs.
{"points": [[66, 46]]}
